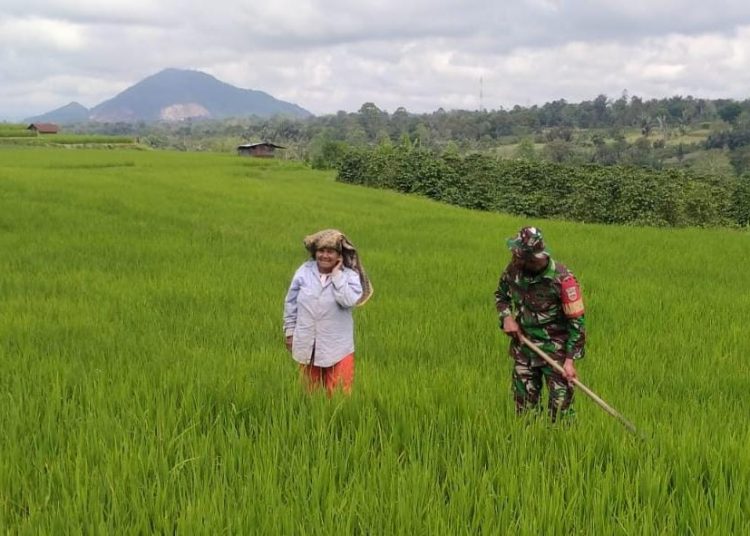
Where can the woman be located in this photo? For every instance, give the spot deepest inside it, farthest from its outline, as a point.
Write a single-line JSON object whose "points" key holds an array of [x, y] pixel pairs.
{"points": [[318, 322]]}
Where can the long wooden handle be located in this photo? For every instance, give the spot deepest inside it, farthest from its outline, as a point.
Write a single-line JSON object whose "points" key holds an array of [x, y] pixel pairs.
{"points": [[554, 364]]}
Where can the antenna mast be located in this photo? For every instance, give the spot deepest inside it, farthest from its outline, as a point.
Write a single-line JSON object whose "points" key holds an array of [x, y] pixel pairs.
{"points": [[481, 94]]}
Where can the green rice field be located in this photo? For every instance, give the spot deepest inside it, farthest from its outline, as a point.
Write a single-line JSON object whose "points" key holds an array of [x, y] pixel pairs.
{"points": [[145, 387], [52, 140]]}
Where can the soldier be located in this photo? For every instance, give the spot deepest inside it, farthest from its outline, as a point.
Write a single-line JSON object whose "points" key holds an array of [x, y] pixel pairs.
{"points": [[540, 298]]}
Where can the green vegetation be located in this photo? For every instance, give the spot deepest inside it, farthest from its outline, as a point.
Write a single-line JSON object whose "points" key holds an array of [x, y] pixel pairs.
{"points": [[674, 132], [64, 139], [592, 193], [14, 130], [145, 388], [18, 134]]}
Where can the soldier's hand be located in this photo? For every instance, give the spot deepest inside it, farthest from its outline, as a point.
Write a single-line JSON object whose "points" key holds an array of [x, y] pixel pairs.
{"points": [[510, 326], [570, 370], [288, 343]]}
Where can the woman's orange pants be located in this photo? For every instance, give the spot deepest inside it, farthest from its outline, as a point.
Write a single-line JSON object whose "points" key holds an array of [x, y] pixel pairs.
{"points": [[341, 374]]}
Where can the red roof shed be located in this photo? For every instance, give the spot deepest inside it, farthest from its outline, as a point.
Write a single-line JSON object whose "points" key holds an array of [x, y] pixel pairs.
{"points": [[44, 128]]}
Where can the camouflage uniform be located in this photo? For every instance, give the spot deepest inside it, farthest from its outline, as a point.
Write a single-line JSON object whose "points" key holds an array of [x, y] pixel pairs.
{"points": [[549, 311]]}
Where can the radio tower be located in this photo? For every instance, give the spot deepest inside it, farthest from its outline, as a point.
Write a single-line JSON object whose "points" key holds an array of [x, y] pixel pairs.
{"points": [[481, 94]]}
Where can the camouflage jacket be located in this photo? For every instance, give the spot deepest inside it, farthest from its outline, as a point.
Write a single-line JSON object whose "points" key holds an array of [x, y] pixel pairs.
{"points": [[548, 308]]}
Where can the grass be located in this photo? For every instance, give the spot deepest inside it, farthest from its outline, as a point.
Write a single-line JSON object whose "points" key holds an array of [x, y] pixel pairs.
{"points": [[32, 138], [146, 388]]}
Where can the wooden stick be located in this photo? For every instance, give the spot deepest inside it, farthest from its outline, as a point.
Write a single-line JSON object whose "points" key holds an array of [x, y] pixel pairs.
{"points": [[554, 364]]}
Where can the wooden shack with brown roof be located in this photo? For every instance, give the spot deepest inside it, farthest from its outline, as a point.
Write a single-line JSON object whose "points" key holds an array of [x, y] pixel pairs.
{"points": [[261, 150], [44, 128]]}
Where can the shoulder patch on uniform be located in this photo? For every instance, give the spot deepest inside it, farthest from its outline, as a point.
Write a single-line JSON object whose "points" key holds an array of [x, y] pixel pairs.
{"points": [[571, 298]]}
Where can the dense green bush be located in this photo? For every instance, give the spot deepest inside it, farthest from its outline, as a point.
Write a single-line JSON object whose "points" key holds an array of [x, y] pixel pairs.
{"points": [[741, 201], [591, 193], [325, 154]]}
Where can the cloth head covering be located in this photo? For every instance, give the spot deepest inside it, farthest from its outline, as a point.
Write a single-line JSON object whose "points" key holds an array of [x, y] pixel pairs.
{"points": [[332, 238], [528, 241]]}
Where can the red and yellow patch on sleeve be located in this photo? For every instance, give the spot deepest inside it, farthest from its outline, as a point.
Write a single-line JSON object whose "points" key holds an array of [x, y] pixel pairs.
{"points": [[572, 301]]}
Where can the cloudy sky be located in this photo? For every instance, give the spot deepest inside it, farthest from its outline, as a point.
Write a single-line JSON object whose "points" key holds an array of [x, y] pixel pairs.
{"points": [[330, 55]]}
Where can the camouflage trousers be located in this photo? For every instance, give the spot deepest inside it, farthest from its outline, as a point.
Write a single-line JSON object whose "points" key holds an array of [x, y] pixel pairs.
{"points": [[527, 389]]}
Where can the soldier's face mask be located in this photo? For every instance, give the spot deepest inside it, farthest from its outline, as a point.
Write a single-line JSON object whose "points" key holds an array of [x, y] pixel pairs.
{"points": [[528, 261], [519, 257]]}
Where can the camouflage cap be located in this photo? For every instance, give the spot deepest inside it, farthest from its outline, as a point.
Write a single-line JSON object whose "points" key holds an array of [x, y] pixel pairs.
{"points": [[529, 241]]}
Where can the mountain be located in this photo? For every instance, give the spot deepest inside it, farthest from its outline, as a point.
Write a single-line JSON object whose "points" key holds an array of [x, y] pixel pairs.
{"points": [[70, 113], [176, 94]]}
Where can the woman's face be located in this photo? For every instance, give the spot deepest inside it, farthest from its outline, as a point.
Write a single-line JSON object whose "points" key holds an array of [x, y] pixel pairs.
{"points": [[326, 259]]}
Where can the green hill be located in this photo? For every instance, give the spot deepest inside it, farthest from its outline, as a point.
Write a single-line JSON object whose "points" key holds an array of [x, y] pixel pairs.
{"points": [[146, 388]]}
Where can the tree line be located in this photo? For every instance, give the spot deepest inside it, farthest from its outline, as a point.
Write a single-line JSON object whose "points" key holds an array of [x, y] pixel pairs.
{"points": [[655, 133], [370, 123]]}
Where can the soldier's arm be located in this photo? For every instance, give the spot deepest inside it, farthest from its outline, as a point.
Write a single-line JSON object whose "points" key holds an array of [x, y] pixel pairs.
{"points": [[574, 348], [573, 308], [503, 299]]}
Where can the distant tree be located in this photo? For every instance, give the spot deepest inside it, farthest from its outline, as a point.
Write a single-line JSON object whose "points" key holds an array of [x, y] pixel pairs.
{"points": [[730, 112], [405, 142], [502, 124], [640, 153], [603, 153], [326, 153], [551, 114], [712, 162], [680, 152], [619, 110], [601, 111], [525, 150], [422, 135], [357, 136], [372, 119], [646, 125], [383, 138], [559, 133], [558, 150], [741, 201], [661, 120], [400, 122], [740, 159], [636, 110], [451, 150], [743, 120]]}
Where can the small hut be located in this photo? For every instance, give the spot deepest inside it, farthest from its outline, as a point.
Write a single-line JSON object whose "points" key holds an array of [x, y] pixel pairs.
{"points": [[261, 150], [44, 128]]}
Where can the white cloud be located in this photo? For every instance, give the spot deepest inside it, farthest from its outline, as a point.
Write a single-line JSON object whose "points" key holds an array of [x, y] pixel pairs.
{"points": [[332, 55], [38, 34]]}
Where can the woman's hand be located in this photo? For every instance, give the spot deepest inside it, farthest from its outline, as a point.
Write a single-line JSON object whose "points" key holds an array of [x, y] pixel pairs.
{"points": [[288, 342], [338, 267]]}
